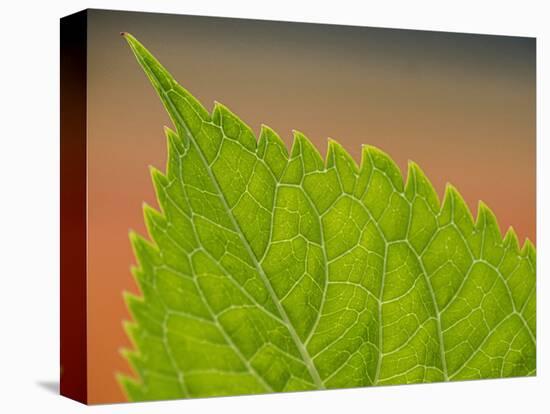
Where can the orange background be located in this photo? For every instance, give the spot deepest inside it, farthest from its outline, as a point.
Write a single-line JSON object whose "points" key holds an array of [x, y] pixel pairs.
{"points": [[461, 106]]}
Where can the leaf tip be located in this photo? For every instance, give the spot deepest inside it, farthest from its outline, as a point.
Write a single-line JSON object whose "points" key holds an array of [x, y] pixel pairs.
{"points": [[132, 41]]}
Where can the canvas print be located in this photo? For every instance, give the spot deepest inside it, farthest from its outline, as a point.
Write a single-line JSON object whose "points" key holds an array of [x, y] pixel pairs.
{"points": [[277, 206]]}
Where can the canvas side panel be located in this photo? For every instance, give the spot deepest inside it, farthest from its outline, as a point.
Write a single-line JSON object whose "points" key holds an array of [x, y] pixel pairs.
{"points": [[73, 232]]}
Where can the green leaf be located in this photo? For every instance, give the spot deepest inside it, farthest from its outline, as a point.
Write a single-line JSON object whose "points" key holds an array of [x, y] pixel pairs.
{"points": [[268, 271]]}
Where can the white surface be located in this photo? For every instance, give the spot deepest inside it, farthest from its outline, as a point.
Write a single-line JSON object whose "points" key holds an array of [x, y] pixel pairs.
{"points": [[29, 192]]}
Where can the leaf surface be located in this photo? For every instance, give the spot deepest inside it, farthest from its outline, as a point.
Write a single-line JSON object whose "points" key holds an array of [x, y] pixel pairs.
{"points": [[268, 271]]}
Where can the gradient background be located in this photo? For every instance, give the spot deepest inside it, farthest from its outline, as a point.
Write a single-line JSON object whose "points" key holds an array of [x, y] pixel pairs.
{"points": [[462, 106]]}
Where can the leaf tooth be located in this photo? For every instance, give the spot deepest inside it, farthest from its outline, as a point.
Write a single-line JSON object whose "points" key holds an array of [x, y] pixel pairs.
{"points": [[486, 218], [136, 305], [528, 250], [145, 251], [511, 240], [363, 173], [168, 131], [330, 159], [455, 204], [272, 150], [383, 162], [269, 137], [157, 176], [418, 183], [366, 162], [160, 182], [345, 165], [175, 142], [272, 137], [146, 311], [133, 356], [337, 152], [302, 147], [133, 389], [177, 148], [154, 221], [142, 278], [233, 127], [410, 180], [262, 140], [131, 328]]}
